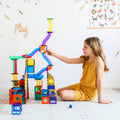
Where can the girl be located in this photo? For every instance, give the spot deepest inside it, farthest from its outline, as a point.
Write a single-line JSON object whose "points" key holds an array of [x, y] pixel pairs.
{"points": [[94, 65]]}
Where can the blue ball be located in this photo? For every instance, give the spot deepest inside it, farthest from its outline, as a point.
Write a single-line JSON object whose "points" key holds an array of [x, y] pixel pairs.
{"points": [[70, 106]]}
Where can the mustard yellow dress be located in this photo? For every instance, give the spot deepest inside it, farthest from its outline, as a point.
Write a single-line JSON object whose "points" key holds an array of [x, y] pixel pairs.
{"points": [[87, 89]]}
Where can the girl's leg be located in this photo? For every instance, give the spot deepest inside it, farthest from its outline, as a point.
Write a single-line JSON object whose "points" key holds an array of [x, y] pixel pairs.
{"points": [[67, 94], [61, 89]]}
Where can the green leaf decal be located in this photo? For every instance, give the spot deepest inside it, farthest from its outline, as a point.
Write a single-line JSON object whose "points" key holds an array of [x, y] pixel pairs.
{"points": [[81, 7], [27, 1], [117, 53], [21, 12], [8, 6], [6, 17], [38, 1]]}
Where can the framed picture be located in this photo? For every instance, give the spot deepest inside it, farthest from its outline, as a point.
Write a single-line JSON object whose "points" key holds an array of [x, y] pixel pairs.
{"points": [[104, 14]]}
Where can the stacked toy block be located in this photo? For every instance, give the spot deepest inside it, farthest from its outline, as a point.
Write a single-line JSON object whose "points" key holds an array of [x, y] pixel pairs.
{"points": [[16, 108], [17, 95], [38, 89], [30, 66], [49, 94], [15, 80], [30, 71]]}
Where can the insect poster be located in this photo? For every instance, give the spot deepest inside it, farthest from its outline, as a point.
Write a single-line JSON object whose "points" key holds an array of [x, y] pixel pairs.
{"points": [[104, 13]]}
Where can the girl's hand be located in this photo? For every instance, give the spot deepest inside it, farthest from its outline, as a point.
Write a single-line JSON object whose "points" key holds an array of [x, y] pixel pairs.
{"points": [[49, 52], [105, 101]]}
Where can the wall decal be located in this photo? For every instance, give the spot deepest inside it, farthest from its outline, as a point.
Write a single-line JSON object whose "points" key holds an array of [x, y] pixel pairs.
{"points": [[104, 13], [21, 29]]}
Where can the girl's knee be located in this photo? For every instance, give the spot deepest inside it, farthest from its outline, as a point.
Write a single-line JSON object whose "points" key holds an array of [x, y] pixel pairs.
{"points": [[67, 95], [58, 91], [63, 95]]}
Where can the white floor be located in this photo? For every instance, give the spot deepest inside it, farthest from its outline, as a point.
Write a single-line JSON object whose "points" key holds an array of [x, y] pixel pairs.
{"points": [[91, 110]]}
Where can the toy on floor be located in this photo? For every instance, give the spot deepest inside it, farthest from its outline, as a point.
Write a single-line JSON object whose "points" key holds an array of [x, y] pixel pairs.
{"points": [[16, 108], [19, 93], [70, 106]]}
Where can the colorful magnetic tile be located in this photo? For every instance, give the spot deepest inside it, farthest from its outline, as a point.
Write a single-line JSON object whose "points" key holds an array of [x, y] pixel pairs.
{"points": [[17, 98], [15, 77], [52, 92], [38, 93], [43, 48], [38, 83], [38, 97], [49, 67], [15, 83], [30, 69], [51, 87], [16, 109], [38, 89], [53, 100], [45, 92], [22, 83], [30, 62], [16, 112], [17, 104], [14, 91], [45, 100], [50, 81], [22, 92]]}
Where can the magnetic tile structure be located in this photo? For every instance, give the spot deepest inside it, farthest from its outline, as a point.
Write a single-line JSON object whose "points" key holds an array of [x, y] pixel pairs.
{"points": [[19, 93]]}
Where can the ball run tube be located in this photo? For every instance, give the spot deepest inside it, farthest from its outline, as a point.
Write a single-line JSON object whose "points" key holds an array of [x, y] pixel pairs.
{"points": [[33, 52], [38, 75], [34, 76], [30, 55], [41, 71], [47, 37], [47, 59], [50, 23], [44, 69]]}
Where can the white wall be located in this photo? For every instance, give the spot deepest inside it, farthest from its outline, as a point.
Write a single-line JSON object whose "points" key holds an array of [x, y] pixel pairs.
{"points": [[69, 32]]}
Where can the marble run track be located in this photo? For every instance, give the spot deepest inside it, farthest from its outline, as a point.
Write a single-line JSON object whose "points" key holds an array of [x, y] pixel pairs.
{"points": [[39, 74], [19, 93]]}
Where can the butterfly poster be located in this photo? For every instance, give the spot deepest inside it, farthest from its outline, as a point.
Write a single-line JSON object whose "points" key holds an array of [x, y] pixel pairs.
{"points": [[104, 13]]}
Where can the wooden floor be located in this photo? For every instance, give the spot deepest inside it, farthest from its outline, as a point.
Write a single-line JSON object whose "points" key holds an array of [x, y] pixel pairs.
{"points": [[88, 110]]}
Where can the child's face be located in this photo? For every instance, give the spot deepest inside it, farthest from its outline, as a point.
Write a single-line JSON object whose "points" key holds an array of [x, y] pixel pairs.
{"points": [[87, 50]]}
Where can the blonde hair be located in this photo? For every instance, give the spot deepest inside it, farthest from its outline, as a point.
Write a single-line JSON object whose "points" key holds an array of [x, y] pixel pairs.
{"points": [[96, 46]]}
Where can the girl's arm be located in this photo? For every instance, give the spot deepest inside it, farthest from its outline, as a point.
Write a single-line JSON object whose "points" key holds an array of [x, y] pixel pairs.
{"points": [[66, 59], [99, 71]]}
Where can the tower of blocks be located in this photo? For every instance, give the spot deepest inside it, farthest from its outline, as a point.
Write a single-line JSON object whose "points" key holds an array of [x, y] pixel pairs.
{"points": [[19, 93]]}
